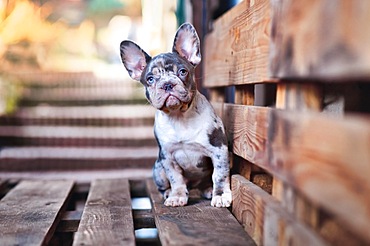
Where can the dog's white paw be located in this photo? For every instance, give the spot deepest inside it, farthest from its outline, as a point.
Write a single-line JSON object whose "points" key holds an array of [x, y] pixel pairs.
{"points": [[221, 201], [176, 201]]}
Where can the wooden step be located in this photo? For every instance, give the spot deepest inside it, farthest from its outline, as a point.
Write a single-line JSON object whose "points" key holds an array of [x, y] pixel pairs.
{"points": [[112, 115], [100, 93], [76, 136], [17, 159]]}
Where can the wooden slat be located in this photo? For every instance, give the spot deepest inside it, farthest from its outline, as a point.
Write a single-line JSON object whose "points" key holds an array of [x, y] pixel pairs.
{"points": [[29, 213], [107, 217], [195, 224], [320, 39], [265, 220], [324, 158], [237, 50]]}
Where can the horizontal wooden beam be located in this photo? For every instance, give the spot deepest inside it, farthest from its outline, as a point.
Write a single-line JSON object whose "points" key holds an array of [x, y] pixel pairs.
{"points": [[265, 219], [263, 41], [320, 39], [237, 50], [324, 158]]}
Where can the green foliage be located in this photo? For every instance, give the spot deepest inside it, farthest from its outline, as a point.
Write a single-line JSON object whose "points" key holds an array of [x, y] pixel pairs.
{"points": [[10, 92]]}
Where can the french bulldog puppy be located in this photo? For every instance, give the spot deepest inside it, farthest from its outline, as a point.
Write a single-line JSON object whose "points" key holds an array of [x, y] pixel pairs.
{"points": [[191, 137]]}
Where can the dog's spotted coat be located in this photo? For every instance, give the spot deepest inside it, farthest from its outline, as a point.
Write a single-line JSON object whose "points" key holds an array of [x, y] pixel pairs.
{"points": [[191, 137]]}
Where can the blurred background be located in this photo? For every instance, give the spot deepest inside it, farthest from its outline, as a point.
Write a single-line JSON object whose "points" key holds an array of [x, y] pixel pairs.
{"points": [[67, 106], [80, 35]]}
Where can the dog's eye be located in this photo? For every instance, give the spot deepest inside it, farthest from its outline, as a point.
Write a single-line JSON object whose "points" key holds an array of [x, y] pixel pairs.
{"points": [[182, 72], [150, 80]]}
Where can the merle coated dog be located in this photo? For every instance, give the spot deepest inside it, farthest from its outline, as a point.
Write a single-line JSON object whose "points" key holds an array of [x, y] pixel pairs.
{"points": [[191, 137]]}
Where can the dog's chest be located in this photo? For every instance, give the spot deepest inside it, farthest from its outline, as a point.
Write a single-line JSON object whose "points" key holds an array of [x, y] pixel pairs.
{"points": [[185, 140]]}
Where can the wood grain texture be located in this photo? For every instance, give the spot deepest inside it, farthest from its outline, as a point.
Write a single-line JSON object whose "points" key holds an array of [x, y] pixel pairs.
{"points": [[299, 96], [325, 159], [320, 39], [236, 51], [265, 219], [195, 224], [107, 217], [302, 97], [29, 212]]}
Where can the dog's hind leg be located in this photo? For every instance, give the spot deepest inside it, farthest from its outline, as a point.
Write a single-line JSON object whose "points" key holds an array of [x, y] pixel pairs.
{"points": [[160, 179]]}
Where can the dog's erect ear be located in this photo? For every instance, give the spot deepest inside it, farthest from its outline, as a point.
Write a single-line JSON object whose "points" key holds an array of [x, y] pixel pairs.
{"points": [[134, 58], [187, 43]]}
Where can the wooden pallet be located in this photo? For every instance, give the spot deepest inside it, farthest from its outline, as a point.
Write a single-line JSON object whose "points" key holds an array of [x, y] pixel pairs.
{"points": [[62, 212]]}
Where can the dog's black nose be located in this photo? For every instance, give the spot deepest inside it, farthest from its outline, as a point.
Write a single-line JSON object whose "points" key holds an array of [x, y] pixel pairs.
{"points": [[167, 87]]}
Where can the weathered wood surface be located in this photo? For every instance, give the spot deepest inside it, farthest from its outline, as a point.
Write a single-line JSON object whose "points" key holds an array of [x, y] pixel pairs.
{"points": [[107, 217], [325, 159], [30, 212], [195, 224], [320, 39], [237, 50], [303, 39], [265, 219]]}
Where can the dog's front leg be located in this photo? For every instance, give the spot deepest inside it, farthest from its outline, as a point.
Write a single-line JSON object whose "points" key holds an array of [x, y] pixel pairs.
{"points": [[221, 196], [178, 196]]}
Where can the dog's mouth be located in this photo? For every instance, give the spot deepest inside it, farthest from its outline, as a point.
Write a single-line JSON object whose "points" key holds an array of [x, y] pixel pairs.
{"points": [[174, 103]]}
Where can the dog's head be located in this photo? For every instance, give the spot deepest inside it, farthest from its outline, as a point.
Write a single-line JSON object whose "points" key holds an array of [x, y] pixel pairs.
{"points": [[169, 77]]}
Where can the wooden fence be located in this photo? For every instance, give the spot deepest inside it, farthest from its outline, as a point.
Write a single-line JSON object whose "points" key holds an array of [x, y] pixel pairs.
{"points": [[310, 150]]}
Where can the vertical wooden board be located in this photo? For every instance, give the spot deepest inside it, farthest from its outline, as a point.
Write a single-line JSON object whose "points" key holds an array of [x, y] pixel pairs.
{"points": [[29, 212], [299, 96], [236, 51], [264, 218], [244, 94], [107, 217], [320, 39], [198, 223]]}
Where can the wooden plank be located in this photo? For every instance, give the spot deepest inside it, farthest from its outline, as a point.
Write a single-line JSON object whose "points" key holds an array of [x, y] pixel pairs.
{"points": [[237, 50], [325, 159], [320, 39], [265, 220], [198, 223], [29, 212], [107, 217]]}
